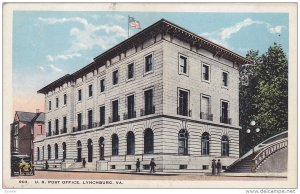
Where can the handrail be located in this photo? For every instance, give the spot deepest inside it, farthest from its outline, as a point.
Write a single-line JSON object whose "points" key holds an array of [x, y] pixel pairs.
{"points": [[269, 150]]}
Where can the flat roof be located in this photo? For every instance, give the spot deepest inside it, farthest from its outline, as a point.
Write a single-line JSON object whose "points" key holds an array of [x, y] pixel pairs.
{"points": [[158, 27]]}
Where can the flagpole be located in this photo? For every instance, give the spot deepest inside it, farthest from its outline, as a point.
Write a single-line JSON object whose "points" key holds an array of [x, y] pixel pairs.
{"points": [[128, 26]]}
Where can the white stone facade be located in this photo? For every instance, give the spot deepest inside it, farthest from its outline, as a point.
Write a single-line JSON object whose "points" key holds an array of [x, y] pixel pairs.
{"points": [[166, 80]]}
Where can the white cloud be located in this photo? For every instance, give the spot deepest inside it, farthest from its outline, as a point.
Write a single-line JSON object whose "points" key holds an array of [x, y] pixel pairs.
{"points": [[90, 36], [50, 58], [222, 35], [62, 57], [55, 69], [227, 32], [41, 68], [276, 29]]}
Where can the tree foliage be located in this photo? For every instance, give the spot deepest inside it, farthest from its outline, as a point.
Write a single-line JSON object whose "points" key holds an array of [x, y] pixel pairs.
{"points": [[264, 95]]}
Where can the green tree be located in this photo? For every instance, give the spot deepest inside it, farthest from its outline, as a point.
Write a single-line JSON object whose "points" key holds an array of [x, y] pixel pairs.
{"points": [[264, 95], [272, 99], [248, 93]]}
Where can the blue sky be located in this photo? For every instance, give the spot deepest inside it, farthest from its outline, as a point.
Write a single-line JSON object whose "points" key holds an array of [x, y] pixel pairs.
{"points": [[50, 44]]}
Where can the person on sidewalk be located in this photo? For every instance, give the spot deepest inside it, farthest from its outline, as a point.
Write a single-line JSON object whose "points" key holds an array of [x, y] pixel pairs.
{"points": [[152, 166], [47, 165], [219, 167], [138, 163], [213, 167], [83, 162]]}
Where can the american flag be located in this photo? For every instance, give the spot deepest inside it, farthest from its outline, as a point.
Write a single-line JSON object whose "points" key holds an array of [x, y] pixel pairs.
{"points": [[134, 23]]}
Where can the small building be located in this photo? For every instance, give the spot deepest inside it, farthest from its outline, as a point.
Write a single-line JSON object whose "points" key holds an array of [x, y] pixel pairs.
{"points": [[26, 127], [164, 93]]}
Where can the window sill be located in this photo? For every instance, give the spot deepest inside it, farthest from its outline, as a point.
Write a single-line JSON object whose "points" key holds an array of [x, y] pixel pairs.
{"points": [[148, 72], [131, 79], [206, 81], [185, 74], [115, 85], [225, 87]]}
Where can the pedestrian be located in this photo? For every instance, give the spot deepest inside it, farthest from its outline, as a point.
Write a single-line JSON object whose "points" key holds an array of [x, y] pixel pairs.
{"points": [[219, 167], [213, 167], [138, 163], [152, 166], [46, 165], [83, 162]]}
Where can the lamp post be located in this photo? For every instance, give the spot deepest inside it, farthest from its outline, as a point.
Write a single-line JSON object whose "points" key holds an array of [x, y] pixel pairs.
{"points": [[254, 131]]}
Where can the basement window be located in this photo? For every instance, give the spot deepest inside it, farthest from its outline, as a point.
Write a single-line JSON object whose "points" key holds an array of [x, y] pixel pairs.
{"points": [[204, 167], [128, 167], [182, 166]]}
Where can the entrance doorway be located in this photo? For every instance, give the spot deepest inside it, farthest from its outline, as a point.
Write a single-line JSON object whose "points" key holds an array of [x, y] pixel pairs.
{"points": [[101, 145], [90, 150], [79, 150]]}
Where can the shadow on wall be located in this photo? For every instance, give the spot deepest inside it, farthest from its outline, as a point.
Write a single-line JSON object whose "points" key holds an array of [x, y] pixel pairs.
{"points": [[276, 163]]}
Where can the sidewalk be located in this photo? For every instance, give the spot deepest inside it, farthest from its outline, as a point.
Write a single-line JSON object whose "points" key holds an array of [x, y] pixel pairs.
{"points": [[178, 173]]}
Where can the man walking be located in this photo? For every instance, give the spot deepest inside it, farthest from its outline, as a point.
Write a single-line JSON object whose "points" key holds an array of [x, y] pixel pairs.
{"points": [[219, 167], [152, 166], [138, 163], [83, 162], [213, 167]]}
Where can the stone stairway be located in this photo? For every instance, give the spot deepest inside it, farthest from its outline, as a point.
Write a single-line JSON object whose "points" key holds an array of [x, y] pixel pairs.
{"points": [[77, 166], [243, 166]]}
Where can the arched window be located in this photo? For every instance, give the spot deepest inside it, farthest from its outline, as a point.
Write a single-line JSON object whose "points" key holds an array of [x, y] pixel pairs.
{"points": [[130, 143], [224, 146], [64, 151], [205, 143], [148, 141], [38, 153], [183, 141], [56, 150], [49, 152], [115, 145]]}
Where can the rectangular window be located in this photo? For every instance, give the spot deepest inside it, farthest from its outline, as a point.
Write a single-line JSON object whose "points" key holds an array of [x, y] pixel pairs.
{"points": [[49, 105], [225, 79], [183, 65], [224, 112], [115, 77], [148, 63], [79, 121], [41, 129], [79, 95], [49, 128], [205, 72], [64, 124], [205, 108], [90, 90], [130, 107], [102, 85], [57, 102], [56, 127], [183, 108], [90, 119], [182, 166], [102, 115], [130, 71], [65, 99], [115, 110], [149, 108]]}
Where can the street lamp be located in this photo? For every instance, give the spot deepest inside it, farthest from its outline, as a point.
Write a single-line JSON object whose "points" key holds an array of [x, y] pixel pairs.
{"points": [[252, 123]]}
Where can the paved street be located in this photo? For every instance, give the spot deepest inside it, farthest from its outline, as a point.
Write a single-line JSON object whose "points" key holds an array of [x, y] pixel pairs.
{"points": [[141, 176]]}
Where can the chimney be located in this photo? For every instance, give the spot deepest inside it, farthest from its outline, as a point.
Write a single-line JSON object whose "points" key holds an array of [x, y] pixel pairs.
{"points": [[37, 110]]}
